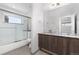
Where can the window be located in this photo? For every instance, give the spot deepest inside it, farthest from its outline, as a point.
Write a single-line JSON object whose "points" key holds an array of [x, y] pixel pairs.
{"points": [[13, 19]]}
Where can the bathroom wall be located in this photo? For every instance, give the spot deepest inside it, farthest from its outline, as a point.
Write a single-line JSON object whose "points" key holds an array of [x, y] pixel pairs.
{"points": [[37, 25], [51, 17]]}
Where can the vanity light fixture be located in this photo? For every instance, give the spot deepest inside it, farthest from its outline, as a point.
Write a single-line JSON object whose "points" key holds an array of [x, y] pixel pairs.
{"points": [[53, 5], [56, 5]]}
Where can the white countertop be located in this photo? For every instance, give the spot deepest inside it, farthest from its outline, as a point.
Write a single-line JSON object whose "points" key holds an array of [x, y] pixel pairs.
{"points": [[72, 36]]}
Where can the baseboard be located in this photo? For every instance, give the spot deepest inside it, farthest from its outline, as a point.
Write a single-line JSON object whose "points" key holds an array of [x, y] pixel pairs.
{"points": [[34, 52], [47, 51]]}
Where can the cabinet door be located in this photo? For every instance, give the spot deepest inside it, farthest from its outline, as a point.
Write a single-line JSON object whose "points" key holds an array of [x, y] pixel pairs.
{"points": [[56, 45], [63, 45], [74, 46], [67, 45], [46, 42], [60, 45], [41, 40], [53, 44]]}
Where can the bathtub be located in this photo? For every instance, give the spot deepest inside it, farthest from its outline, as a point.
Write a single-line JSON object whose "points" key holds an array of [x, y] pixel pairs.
{"points": [[12, 46]]}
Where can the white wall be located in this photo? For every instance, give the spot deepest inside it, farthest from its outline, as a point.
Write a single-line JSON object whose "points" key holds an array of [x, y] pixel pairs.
{"points": [[37, 25]]}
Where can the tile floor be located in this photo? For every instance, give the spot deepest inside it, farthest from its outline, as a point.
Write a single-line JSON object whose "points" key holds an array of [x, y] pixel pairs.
{"points": [[25, 50]]}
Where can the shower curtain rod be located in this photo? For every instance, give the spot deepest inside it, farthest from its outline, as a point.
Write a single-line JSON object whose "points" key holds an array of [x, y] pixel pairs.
{"points": [[14, 13]]}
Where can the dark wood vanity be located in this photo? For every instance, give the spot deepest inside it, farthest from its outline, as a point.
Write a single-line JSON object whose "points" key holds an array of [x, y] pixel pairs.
{"points": [[60, 45]]}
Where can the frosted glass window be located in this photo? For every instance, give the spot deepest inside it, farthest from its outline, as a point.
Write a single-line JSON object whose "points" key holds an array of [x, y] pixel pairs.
{"points": [[66, 20], [14, 19]]}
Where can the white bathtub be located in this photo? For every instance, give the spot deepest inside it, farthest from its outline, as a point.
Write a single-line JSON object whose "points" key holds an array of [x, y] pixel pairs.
{"points": [[12, 46]]}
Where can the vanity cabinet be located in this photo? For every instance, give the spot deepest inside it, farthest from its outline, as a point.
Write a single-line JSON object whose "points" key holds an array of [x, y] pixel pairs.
{"points": [[52, 44], [58, 44]]}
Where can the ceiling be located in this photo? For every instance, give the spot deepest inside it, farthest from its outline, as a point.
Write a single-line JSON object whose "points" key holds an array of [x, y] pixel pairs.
{"points": [[25, 8]]}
